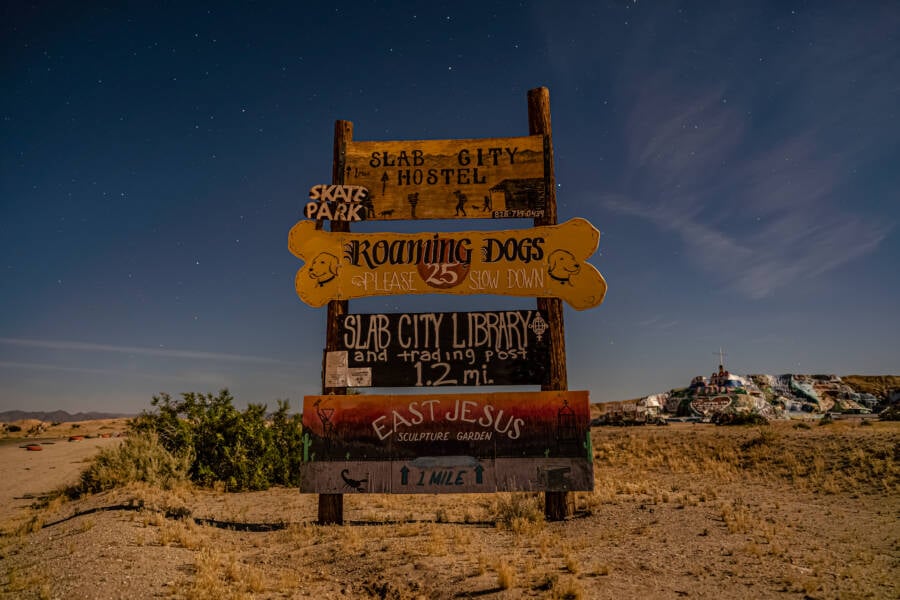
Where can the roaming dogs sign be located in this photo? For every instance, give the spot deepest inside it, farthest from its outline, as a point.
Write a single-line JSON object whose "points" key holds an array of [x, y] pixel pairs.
{"points": [[541, 261]]}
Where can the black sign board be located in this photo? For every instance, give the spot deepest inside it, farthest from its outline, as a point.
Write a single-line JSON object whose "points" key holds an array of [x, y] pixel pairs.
{"points": [[440, 349]]}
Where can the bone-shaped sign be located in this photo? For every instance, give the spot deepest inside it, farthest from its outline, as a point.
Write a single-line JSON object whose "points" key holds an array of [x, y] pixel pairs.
{"points": [[545, 261]]}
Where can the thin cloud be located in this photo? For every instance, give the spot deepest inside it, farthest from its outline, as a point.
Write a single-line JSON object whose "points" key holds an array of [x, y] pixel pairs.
{"points": [[162, 352], [46, 367], [657, 322], [217, 379], [753, 178]]}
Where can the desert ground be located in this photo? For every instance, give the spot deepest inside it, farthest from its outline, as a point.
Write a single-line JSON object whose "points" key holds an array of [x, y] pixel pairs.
{"points": [[689, 510], [28, 475]]}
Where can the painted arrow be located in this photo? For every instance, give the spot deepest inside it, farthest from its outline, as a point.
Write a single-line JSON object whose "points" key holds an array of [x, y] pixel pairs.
{"points": [[404, 475], [540, 261], [479, 470]]}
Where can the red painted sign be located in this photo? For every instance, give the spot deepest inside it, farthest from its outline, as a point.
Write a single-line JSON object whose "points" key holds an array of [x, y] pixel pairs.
{"points": [[412, 443]]}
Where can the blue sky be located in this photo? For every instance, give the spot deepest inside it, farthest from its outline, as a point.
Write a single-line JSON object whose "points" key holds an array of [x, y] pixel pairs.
{"points": [[739, 159]]}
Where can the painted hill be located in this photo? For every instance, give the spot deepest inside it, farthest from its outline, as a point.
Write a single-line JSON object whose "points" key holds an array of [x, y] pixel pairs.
{"points": [[878, 385], [725, 396]]}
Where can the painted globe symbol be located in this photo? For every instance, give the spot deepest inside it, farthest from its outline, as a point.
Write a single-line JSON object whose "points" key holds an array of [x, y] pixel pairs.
{"points": [[538, 326]]}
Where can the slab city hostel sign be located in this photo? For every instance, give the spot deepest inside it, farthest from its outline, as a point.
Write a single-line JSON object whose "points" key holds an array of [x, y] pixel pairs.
{"points": [[528, 441], [451, 179], [440, 349], [541, 261], [426, 443]]}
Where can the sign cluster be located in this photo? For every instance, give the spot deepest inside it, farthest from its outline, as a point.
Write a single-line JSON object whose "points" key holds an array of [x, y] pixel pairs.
{"points": [[427, 443]]}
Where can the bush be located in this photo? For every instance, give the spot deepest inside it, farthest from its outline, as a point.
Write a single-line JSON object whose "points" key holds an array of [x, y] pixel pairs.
{"points": [[140, 458], [222, 444], [739, 418], [764, 437], [891, 413], [13, 428]]}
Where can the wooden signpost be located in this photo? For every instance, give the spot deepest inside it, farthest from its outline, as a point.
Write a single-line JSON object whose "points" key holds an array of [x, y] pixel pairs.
{"points": [[538, 441], [440, 349], [541, 261], [451, 179]]}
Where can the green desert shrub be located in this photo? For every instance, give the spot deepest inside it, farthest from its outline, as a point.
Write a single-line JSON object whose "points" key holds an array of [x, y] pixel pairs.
{"points": [[245, 450], [739, 418], [139, 458]]}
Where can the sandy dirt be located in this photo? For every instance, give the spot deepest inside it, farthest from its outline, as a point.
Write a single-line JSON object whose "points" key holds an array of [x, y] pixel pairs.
{"points": [[27, 475], [679, 511]]}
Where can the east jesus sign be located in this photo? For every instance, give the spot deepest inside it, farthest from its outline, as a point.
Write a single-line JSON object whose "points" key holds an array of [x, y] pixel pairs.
{"points": [[527, 441], [545, 261], [451, 179]]}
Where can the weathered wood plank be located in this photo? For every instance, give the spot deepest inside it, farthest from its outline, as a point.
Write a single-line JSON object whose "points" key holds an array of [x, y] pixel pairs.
{"points": [[448, 475], [450, 179], [376, 426]]}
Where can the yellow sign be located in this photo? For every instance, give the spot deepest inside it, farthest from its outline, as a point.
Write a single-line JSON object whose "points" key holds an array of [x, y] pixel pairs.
{"points": [[539, 261], [450, 179]]}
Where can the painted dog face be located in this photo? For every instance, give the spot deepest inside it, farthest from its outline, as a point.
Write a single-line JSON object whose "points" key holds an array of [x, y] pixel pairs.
{"points": [[562, 265], [323, 268]]}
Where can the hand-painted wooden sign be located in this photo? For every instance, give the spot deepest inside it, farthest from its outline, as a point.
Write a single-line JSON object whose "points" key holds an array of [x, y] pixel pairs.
{"points": [[451, 179], [338, 203], [541, 261], [531, 441], [440, 349]]}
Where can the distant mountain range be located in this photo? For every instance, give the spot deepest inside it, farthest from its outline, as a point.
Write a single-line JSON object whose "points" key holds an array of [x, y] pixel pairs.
{"points": [[56, 416]]}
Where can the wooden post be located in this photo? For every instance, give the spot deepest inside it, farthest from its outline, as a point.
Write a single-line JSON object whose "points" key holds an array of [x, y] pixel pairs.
{"points": [[331, 506], [556, 504]]}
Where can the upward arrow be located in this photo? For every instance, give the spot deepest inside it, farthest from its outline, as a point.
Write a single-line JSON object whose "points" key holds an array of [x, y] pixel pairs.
{"points": [[384, 180], [404, 475], [478, 471]]}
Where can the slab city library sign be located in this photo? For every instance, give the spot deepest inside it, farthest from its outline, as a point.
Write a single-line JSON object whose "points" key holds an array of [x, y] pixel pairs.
{"points": [[459, 442]]}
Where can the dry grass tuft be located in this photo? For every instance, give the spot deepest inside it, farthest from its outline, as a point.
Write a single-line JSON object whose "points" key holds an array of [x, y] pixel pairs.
{"points": [[220, 576], [571, 563], [568, 589], [181, 533], [506, 576], [737, 517], [518, 512]]}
